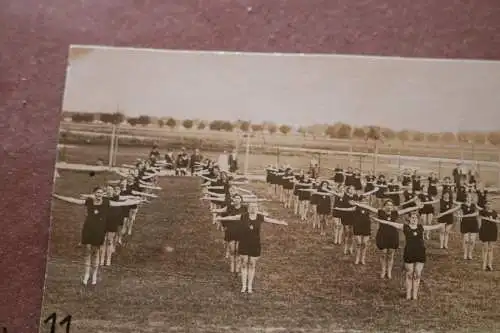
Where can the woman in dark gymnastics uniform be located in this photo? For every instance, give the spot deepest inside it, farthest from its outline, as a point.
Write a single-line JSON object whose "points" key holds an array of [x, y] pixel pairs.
{"points": [[338, 175], [482, 196], [362, 231], [347, 218], [337, 213], [446, 210], [370, 180], [414, 255], [358, 182], [349, 177], [94, 227], [417, 183], [114, 220], [409, 198], [382, 188], [469, 227], [324, 205], [297, 180], [394, 192], [461, 193], [427, 211], [432, 185], [313, 204], [447, 186], [249, 247], [288, 184], [407, 178], [488, 234], [133, 184], [270, 171], [304, 188], [387, 237], [232, 229]]}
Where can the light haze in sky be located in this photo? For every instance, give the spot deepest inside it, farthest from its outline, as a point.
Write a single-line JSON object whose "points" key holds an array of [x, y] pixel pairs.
{"points": [[418, 94]]}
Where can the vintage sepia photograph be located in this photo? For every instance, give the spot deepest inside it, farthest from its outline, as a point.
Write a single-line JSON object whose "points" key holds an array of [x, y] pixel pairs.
{"points": [[200, 191]]}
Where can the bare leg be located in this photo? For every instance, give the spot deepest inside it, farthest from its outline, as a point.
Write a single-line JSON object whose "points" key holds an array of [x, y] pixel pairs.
{"points": [[390, 263], [95, 266], [383, 263], [232, 257], [109, 246], [251, 273], [364, 247], [86, 262], [447, 234], [466, 245], [472, 244], [409, 268], [340, 231], [359, 244], [484, 255], [131, 220], [442, 234], [419, 266], [490, 256], [244, 273]]}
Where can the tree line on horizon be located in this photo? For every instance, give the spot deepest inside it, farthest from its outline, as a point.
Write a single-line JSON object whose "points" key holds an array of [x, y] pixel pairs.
{"points": [[338, 130]]}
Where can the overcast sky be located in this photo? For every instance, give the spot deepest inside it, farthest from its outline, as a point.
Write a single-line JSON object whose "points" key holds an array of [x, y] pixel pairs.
{"points": [[425, 95]]}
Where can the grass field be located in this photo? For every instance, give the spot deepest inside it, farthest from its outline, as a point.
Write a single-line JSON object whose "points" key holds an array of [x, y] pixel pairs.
{"points": [[303, 283]]}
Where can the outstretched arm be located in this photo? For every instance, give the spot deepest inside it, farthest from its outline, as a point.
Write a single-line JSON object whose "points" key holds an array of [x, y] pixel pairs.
{"points": [[434, 226], [449, 211], [69, 199], [408, 210], [149, 195], [150, 187], [362, 205], [229, 218], [125, 203], [274, 221], [370, 192], [497, 220], [392, 224]]}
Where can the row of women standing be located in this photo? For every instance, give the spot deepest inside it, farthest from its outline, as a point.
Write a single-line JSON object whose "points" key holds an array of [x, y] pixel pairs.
{"points": [[236, 212], [111, 210], [350, 199]]}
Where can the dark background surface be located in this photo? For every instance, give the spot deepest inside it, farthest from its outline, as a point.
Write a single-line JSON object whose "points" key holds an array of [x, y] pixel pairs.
{"points": [[34, 39]]}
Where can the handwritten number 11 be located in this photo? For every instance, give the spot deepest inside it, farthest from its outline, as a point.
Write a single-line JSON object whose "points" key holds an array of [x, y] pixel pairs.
{"points": [[53, 319]]}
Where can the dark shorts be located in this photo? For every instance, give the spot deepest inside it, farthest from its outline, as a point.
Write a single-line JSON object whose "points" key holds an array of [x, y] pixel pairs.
{"points": [[387, 239], [469, 226]]}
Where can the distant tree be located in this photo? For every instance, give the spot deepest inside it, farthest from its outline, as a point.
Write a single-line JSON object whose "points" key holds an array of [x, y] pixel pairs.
{"points": [[285, 129], [245, 126], [331, 131], [387, 133], [112, 118], [418, 136], [133, 121], [343, 131], [187, 124], [257, 127], [272, 128], [201, 125], [171, 123], [227, 126], [448, 137], [358, 133], [83, 117], [144, 120], [433, 137], [403, 136], [215, 125], [494, 138], [373, 133], [161, 123]]}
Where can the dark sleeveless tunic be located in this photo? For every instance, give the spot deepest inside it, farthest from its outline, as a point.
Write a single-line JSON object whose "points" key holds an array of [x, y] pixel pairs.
{"points": [[387, 236], [414, 251], [94, 227], [249, 240]]}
